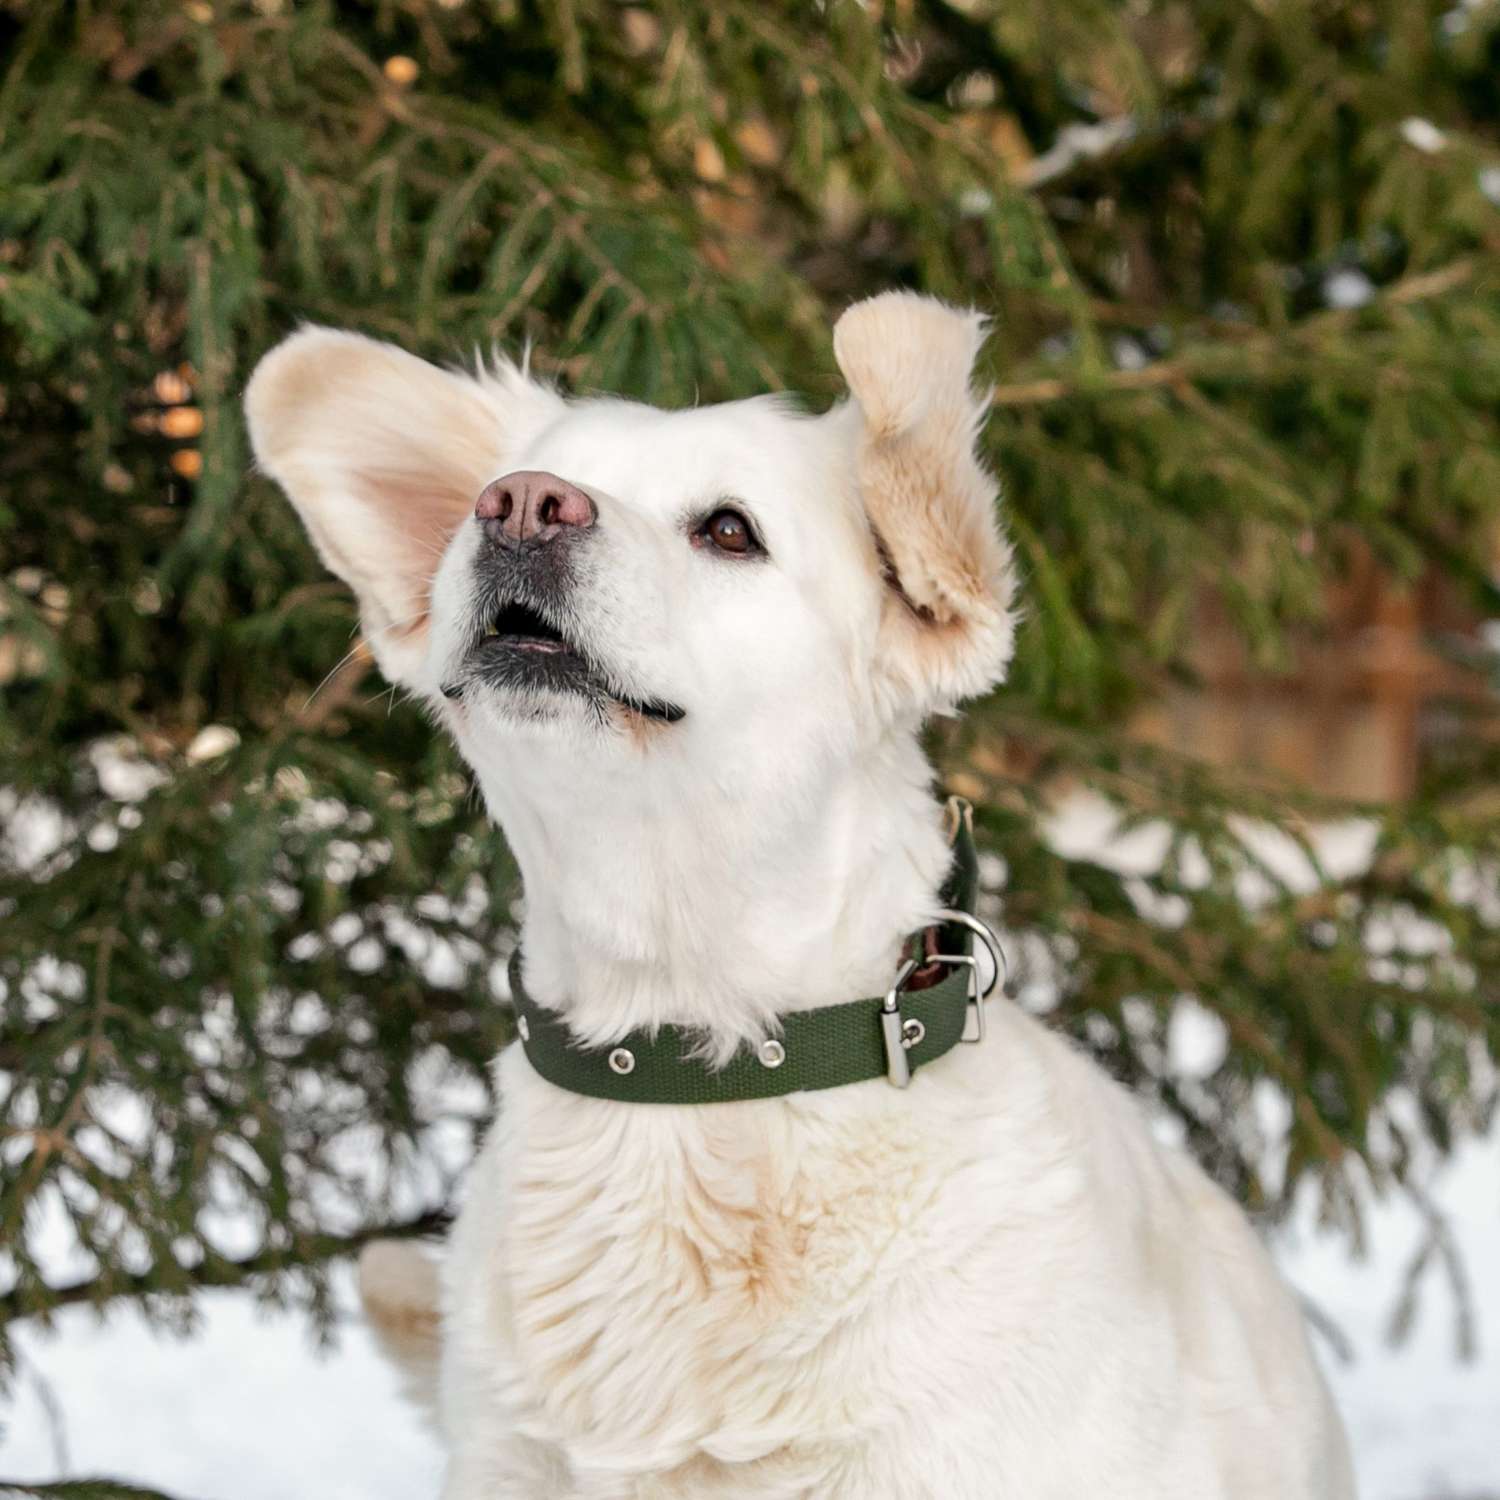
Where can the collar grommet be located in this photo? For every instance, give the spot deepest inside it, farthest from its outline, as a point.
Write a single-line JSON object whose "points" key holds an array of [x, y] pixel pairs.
{"points": [[772, 1053], [622, 1061]]}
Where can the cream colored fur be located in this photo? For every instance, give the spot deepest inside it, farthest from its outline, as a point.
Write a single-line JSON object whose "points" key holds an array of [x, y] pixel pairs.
{"points": [[992, 1285], [400, 1289], [929, 499]]}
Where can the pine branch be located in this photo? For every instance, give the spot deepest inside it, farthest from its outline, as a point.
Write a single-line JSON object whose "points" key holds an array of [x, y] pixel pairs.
{"points": [[219, 1272], [1249, 358], [78, 1489]]}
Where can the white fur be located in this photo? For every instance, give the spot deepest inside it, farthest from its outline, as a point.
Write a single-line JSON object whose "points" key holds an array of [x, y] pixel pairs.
{"points": [[993, 1284]]}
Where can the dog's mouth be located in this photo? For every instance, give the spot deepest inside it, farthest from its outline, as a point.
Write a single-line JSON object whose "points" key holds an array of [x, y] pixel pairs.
{"points": [[521, 629], [520, 651]]}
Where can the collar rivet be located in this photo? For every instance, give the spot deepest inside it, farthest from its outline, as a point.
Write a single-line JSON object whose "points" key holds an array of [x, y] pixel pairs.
{"points": [[772, 1053], [622, 1061]]}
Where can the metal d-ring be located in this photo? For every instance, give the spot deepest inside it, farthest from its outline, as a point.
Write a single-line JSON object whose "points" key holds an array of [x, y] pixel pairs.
{"points": [[985, 934], [893, 1026], [997, 955]]}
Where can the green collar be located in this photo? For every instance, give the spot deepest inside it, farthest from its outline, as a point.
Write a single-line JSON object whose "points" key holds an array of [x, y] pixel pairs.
{"points": [[933, 1005]]}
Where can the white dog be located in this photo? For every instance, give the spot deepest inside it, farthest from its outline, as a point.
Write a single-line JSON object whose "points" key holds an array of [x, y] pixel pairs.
{"points": [[687, 655]]}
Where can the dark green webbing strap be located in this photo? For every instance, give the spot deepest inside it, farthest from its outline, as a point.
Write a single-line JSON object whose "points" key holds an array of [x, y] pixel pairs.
{"points": [[815, 1049]]}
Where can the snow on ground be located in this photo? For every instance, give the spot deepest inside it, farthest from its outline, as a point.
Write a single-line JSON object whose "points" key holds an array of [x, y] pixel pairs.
{"points": [[1424, 1425], [246, 1409], [249, 1409]]}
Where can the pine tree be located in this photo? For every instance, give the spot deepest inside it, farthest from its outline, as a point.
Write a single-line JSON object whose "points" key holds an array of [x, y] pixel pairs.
{"points": [[1241, 263]]}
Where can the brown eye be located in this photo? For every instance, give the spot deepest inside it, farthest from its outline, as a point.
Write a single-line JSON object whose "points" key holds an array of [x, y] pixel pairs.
{"points": [[729, 531]]}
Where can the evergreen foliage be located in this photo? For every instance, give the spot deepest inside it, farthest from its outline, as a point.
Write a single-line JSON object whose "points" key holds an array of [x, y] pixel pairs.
{"points": [[1242, 266]]}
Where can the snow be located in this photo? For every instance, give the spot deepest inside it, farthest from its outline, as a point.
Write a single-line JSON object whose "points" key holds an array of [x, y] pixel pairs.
{"points": [[1348, 288], [1075, 143], [246, 1409], [1423, 135], [1422, 1421], [210, 742]]}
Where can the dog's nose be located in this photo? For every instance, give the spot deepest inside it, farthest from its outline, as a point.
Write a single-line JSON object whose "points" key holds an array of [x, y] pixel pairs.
{"points": [[532, 506]]}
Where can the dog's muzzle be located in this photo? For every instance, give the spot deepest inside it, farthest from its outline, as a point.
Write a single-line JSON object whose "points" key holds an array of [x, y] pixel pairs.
{"points": [[527, 635], [532, 526]]}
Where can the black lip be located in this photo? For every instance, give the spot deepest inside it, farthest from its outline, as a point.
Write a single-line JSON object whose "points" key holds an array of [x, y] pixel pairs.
{"points": [[521, 649]]}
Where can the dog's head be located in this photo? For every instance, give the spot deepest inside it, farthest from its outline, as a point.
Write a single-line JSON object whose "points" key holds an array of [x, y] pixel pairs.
{"points": [[739, 581]]}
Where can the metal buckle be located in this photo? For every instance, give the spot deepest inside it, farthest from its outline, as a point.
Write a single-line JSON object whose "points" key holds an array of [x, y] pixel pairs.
{"points": [[892, 1024], [898, 1039]]}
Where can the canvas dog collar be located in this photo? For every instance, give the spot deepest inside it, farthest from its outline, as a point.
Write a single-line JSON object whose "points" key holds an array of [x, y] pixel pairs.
{"points": [[934, 1004]]}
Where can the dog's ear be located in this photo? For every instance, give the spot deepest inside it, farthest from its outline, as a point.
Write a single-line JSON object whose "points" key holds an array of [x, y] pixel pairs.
{"points": [[384, 455], [946, 631]]}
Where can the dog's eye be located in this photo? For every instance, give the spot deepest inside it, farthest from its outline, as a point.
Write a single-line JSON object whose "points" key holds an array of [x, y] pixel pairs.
{"points": [[727, 530]]}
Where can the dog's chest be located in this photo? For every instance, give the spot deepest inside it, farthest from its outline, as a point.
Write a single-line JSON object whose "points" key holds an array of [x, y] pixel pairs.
{"points": [[666, 1284], [859, 1293]]}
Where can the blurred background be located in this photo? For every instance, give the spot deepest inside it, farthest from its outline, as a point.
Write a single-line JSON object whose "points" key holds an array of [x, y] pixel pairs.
{"points": [[1239, 799]]}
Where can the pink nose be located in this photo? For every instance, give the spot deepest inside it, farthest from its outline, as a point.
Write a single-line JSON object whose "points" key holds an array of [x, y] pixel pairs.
{"points": [[532, 506]]}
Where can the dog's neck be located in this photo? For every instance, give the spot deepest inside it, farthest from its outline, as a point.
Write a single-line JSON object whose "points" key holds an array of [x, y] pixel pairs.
{"points": [[650, 900]]}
